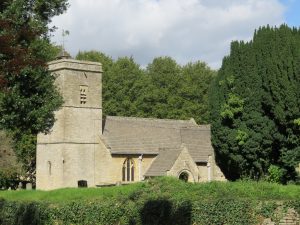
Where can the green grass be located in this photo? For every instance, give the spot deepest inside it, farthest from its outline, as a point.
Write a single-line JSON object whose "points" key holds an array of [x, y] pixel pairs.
{"points": [[165, 186], [70, 194], [241, 189]]}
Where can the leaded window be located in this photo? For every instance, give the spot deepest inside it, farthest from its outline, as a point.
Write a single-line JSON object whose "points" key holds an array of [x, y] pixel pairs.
{"points": [[128, 170]]}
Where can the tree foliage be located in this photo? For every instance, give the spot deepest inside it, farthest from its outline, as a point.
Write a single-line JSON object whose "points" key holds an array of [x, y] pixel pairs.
{"points": [[197, 79], [28, 96], [163, 90], [165, 78], [255, 105], [10, 170]]}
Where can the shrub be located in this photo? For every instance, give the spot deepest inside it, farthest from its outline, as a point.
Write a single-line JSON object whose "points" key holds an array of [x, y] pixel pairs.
{"points": [[275, 174], [9, 178]]}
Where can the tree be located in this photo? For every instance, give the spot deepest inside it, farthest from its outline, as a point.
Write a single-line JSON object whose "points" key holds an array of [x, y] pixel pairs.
{"points": [[96, 56], [166, 80], [164, 90], [121, 87], [197, 79], [177, 92], [255, 105], [28, 96], [10, 170]]}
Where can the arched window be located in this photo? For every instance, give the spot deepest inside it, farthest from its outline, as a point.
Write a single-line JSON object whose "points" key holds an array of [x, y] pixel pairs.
{"points": [[128, 170]]}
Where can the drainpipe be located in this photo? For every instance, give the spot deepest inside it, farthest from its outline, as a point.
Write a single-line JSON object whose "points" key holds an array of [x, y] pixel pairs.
{"points": [[140, 167]]}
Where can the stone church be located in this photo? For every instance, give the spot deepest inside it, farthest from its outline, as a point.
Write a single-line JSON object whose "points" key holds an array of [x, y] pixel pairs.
{"points": [[84, 149]]}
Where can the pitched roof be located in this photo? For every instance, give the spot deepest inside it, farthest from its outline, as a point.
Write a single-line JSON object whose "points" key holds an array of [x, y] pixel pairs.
{"points": [[163, 162], [130, 135], [197, 141]]}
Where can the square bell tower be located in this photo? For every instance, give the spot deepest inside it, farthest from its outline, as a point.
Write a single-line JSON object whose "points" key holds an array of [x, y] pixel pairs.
{"points": [[65, 156]]}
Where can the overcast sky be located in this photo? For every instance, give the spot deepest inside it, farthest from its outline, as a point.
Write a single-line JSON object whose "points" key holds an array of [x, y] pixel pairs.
{"points": [[187, 30]]}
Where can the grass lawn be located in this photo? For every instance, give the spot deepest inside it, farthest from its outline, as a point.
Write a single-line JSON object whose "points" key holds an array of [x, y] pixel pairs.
{"points": [[170, 187]]}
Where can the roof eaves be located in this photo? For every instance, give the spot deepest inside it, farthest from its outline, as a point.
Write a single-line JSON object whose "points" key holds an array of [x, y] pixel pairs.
{"points": [[201, 161], [133, 153]]}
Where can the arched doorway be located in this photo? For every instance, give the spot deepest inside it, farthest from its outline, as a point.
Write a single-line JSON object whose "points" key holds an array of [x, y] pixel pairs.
{"points": [[184, 176]]}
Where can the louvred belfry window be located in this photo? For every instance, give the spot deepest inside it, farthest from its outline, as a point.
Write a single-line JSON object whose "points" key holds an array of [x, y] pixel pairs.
{"points": [[83, 94]]}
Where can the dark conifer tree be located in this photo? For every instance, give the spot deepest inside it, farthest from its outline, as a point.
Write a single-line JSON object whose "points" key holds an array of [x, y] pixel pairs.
{"points": [[255, 105]]}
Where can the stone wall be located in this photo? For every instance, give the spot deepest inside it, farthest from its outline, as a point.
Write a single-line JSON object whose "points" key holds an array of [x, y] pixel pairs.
{"points": [[210, 171], [291, 217], [67, 154], [109, 167], [185, 163]]}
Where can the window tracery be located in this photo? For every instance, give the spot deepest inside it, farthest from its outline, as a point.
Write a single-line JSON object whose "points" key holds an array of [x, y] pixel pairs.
{"points": [[128, 170]]}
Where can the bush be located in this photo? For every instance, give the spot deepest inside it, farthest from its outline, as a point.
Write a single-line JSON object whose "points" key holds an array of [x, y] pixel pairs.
{"points": [[9, 178], [275, 174], [152, 212], [23, 213]]}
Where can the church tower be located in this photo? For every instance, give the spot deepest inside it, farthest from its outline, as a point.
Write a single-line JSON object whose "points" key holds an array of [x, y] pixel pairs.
{"points": [[66, 156]]}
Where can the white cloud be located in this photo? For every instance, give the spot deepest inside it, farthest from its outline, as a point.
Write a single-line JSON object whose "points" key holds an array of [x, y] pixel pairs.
{"points": [[186, 30]]}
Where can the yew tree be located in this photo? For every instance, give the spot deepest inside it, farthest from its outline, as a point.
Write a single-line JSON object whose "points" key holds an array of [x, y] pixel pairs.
{"points": [[255, 106]]}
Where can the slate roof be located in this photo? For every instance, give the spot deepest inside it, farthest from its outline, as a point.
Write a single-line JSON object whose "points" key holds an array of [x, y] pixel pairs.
{"points": [[163, 162], [131, 135]]}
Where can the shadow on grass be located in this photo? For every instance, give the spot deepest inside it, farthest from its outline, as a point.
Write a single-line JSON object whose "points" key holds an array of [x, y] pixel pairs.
{"points": [[158, 212], [28, 214]]}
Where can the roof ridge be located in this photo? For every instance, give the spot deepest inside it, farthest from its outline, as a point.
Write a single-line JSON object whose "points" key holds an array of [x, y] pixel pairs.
{"points": [[124, 118], [203, 127]]}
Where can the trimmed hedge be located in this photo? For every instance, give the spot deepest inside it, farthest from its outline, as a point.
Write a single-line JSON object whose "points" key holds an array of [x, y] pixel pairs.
{"points": [[160, 201], [145, 212]]}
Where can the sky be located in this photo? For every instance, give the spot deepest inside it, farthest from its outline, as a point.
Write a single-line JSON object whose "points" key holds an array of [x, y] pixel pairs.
{"points": [[186, 30]]}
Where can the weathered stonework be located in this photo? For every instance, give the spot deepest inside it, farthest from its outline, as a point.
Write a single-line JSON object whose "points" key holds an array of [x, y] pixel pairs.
{"points": [[185, 164], [66, 154], [79, 148], [291, 217]]}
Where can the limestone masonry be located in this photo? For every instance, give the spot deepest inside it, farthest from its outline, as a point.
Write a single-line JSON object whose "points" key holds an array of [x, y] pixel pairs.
{"points": [[83, 149]]}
